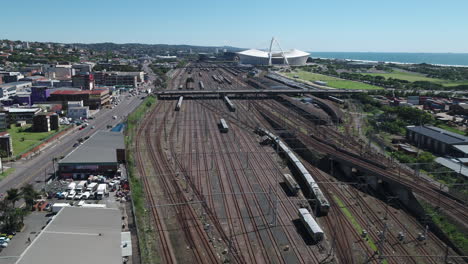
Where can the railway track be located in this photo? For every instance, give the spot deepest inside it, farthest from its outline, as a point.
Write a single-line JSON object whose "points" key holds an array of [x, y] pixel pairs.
{"points": [[168, 255], [451, 207]]}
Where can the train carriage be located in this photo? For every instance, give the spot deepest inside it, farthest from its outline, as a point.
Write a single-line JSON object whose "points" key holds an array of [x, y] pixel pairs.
{"points": [[179, 103], [223, 127], [291, 183], [312, 227]]}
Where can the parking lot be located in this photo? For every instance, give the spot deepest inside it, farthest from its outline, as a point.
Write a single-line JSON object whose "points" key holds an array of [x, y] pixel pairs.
{"points": [[113, 193]]}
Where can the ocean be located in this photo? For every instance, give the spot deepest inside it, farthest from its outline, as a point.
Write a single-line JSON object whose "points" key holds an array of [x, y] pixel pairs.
{"points": [[455, 59]]}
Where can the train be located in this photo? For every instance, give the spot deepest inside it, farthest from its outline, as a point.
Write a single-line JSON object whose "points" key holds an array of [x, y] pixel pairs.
{"points": [[291, 184], [230, 105], [202, 86], [322, 205], [189, 84], [336, 100], [227, 80], [223, 127], [310, 224], [179, 103]]}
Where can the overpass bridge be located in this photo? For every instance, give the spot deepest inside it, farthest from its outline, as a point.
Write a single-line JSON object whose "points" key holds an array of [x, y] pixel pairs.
{"points": [[251, 92]]}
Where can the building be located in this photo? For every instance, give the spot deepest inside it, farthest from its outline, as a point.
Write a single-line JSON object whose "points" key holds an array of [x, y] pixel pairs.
{"points": [[78, 235], [436, 140], [45, 122], [23, 99], [9, 77], [6, 145], [21, 114], [270, 57], [59, 72], [8, 90], [3, 121], [92, 98], [39, 94], [459, 109], [84, 81], [258, 57], [78, 112], [119, 78], [84, 67], [99, 155], [33, 79]]}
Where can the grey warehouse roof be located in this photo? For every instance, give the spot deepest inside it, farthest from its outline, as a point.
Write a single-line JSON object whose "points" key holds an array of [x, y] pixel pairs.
{"points": [[454, 165], [439, 134], [99, 148], [78, 235]]}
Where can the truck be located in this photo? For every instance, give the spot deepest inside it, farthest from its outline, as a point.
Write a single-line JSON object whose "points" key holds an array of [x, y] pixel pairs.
{"points": [[81, 186], [71, 186], [101, 191], [92, 187]]}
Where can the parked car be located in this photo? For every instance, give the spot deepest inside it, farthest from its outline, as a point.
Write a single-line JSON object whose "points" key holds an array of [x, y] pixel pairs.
{"points": [[63, 195]]}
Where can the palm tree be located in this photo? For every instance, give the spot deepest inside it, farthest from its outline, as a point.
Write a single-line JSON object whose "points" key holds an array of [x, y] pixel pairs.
{"points": [[13, 195], [29, 195]]}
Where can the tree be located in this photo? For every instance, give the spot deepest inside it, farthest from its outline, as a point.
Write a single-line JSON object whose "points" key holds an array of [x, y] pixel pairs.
{"points": [[29, 195], [13, 195]]}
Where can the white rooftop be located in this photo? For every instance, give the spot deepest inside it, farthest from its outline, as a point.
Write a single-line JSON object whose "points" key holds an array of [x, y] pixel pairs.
{"points": [[78, 235], [264, 54]]}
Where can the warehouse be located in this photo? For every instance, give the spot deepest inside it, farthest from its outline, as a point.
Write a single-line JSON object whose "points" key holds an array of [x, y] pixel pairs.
{"points": [[78, 235], [436, 140], [101, 154]]}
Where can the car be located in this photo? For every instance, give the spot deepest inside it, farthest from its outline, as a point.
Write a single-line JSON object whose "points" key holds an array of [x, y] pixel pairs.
{"points": [[63, 195], [3, 244], [48, 207], [76, 145], [71, 195], [58, 194], [81, 128], [91, 117], [93, 127]]}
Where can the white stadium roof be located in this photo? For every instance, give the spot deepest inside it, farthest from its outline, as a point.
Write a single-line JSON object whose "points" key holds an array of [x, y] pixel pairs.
{"points": [[263, 54]]}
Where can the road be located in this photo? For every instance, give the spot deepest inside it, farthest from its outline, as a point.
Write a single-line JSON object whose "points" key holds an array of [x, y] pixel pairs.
{"points": [[36, 169]]}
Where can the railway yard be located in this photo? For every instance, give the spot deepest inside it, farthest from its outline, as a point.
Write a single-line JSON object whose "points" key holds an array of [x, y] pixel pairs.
{"points": [[212, 170]]}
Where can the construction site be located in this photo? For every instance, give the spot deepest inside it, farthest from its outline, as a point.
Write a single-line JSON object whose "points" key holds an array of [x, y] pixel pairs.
{"points": [[256, 168]]}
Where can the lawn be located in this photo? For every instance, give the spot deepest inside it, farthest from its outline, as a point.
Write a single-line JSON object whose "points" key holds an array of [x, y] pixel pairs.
{"points": [[332, 81], [24, 140], [414, 77]]}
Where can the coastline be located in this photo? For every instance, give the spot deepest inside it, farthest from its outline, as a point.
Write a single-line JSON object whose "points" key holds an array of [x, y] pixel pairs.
{"points": [[392, 62]]}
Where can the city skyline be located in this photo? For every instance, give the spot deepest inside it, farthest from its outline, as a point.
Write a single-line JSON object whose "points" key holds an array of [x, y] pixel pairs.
{"points": [[335, 26]]}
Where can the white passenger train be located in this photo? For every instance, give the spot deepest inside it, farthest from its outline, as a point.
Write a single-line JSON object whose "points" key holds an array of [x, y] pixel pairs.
{"points": [[179, 103], [223, 127], [310, 224], [230, 105]]}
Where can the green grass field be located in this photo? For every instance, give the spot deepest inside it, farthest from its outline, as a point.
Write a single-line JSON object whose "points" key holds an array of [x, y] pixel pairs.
{"points": [[414, 77], [331, 81], [24, 140]]}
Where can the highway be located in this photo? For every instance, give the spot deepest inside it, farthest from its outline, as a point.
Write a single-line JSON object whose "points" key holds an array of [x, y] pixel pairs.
{"points": [[36, 170]]}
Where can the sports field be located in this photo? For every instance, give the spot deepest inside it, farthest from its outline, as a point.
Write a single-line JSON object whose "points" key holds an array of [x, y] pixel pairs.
{"points": [[413, 77], [331, 81]]}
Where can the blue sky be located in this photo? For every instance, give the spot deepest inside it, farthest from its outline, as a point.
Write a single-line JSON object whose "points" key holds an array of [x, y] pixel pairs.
{"points": [[325, 25]]}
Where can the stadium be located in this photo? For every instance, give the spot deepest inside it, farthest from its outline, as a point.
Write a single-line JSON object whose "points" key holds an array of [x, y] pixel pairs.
{"points": [[259, 57]]}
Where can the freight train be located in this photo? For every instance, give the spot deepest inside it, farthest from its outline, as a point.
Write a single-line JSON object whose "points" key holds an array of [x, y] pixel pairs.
{"points": [[321, 202]]}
